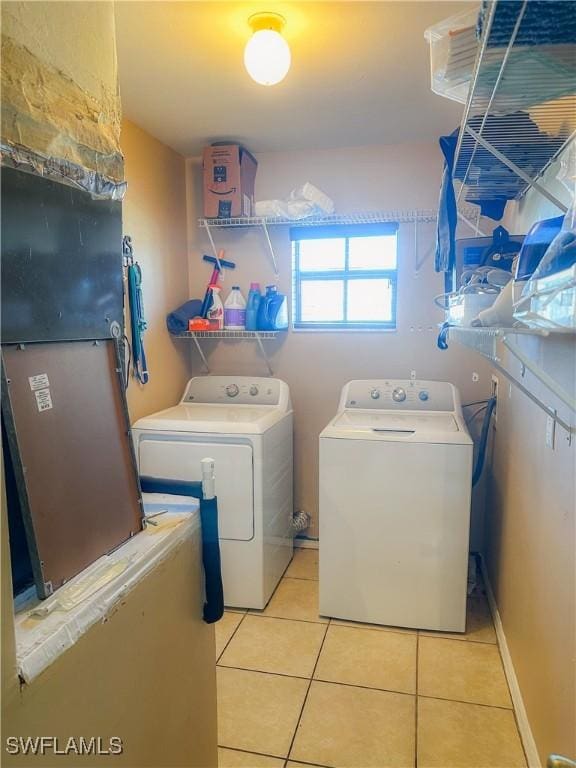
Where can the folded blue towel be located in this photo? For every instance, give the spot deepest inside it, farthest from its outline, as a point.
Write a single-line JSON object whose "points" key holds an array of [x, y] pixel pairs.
{"points": [[177, 321]]}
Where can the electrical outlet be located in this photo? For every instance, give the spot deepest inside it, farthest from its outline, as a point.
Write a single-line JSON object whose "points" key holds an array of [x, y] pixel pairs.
{"points": [[550, 432], [495, 383]]}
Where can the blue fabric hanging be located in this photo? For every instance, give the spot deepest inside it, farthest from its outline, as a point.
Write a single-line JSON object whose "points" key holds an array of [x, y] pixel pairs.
{"points": [[447, 211], [488, 172]]}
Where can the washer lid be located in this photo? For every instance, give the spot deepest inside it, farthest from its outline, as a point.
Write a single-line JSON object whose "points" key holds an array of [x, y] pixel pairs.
{"points": [[408, 426], [213, 419]]}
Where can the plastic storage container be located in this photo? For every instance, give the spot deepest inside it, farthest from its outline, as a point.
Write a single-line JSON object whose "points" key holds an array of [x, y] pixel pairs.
{"points": [[252, 307], [453, 46], [273, 311], [464, 308], [535, 246], [548, 299], [235, 310], [550, 303]]}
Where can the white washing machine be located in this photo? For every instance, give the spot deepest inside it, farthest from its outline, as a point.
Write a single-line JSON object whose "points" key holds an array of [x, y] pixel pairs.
{"points": [[245, 425], [395, 488]]}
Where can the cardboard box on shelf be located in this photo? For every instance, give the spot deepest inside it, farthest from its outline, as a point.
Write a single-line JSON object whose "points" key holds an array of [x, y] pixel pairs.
{"points": [[229, 173]]}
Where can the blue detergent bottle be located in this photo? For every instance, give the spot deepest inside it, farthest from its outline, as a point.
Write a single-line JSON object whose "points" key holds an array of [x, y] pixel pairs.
{"points": [[273, 311], [252, 307]]}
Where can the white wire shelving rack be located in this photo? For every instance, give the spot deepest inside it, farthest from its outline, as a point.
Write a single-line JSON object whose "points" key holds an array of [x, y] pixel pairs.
{"points": [[486, 341], [520, 113], [467, 214], [257, 336]]}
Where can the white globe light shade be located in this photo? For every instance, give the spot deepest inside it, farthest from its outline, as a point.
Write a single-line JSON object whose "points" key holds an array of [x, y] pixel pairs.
{"points": [[267, 57]]}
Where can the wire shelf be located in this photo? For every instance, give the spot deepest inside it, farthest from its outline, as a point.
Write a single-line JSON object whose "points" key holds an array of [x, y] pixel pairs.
{"points": [[485, 340], [521, 108], [482, 340], [247, 335], [415, 216], [366, 217]]}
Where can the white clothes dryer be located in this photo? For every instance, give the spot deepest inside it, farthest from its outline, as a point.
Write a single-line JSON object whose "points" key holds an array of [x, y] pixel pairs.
{"points": [[245, 425]]}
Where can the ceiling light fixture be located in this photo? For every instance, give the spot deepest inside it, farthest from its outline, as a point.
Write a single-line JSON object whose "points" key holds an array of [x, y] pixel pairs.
{"points": [[267, 55]]}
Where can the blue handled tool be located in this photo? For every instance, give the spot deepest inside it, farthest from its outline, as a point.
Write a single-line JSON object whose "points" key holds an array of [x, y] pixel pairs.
{"points": [[136, 309], [218, 264]]}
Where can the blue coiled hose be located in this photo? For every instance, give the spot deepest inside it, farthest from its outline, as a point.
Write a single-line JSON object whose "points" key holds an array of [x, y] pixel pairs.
{"points": [[483, 441]]}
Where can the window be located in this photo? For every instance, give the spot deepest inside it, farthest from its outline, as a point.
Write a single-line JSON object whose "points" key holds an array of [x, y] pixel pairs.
{"points": [[345, 276]]}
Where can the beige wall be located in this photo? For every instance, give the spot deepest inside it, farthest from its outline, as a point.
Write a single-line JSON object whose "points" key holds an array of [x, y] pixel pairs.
{"points": [[88, 58], [59, 82], [154, 214], [531, 531], [316, 364]]}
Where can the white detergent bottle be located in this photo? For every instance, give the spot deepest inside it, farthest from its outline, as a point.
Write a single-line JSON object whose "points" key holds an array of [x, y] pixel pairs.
{"points": [[216, 311], [235, 310]]}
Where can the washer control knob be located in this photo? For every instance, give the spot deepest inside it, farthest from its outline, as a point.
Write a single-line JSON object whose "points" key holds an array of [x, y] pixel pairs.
{"points": [[253, 390], [375, 394], [399, 395], [423, 395], [232, 390]]}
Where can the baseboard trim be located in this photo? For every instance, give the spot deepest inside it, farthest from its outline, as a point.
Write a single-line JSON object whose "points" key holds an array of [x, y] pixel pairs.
{"points": [[528, 742]]}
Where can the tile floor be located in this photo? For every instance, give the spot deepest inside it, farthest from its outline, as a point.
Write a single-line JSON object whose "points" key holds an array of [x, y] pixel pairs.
{"points": [[297, 689]]}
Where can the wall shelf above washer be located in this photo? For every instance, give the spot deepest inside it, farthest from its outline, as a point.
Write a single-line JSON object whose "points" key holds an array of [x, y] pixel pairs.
{"points": [[363, 217], [239, 335]]}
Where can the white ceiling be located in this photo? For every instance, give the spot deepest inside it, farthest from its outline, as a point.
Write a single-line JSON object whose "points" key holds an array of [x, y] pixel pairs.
{"points": [[359, 76]]}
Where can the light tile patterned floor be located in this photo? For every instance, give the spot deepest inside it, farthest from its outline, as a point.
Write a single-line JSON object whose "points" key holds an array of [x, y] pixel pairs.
{"points": [[296, 689]]}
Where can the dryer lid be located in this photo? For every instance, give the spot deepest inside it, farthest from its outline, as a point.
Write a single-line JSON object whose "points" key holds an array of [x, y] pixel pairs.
{"points": [[213, 419]]}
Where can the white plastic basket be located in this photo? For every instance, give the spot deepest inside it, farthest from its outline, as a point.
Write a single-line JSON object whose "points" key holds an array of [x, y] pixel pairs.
{"points": [[453, 46], [550, 303]]}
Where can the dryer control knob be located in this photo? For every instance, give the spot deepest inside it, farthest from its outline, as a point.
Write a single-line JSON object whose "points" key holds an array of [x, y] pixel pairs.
{"points": [[399, 395], [375, 394], [232, 390], [253, 390], [423, 395]]}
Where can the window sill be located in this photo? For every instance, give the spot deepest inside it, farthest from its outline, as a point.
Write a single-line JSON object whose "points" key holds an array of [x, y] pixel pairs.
{"points": [[44, 631]]}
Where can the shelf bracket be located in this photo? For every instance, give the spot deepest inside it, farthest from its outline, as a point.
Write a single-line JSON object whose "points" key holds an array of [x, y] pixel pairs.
{"points": [[474, 227], [264, 355], [270, 247], [201, 353], [547, 410], [212, 244], [420, 261], [541, 375], [475, 339], [532, 183]]}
